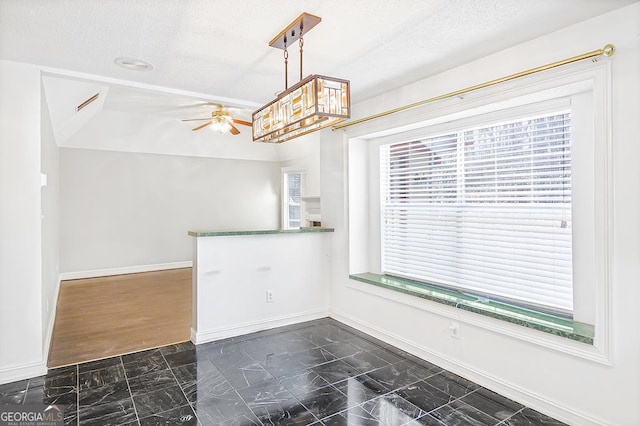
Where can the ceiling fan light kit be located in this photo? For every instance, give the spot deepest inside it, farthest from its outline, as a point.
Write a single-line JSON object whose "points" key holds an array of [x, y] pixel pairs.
{"points": [[313, 103], [220, 121], [220, 125]]}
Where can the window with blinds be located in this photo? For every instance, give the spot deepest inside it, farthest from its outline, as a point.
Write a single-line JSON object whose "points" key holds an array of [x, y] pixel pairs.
{"points": [[486, 210], [292, 193]]}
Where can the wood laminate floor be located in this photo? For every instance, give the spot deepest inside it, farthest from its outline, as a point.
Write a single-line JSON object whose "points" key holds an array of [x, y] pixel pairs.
{"points": [[102, 317]]}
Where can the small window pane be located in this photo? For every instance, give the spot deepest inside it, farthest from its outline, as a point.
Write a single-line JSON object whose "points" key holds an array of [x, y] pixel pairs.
{"points": [[293, 189]]}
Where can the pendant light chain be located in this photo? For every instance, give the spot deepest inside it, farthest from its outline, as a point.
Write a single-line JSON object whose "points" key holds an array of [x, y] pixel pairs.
{"points": [[286, 64], [301, 44]]}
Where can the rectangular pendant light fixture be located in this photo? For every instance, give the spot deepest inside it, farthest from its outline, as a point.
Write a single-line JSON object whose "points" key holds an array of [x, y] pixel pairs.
{"points": [[311, 104], [314, 103]]}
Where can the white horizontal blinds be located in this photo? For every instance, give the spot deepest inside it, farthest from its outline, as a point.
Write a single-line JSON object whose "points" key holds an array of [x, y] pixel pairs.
{"points": [[293, 199], [486, 209]]}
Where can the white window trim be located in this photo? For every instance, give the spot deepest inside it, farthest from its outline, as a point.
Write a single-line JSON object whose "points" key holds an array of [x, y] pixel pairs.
{"points": [[363, 170], [284, 206]]}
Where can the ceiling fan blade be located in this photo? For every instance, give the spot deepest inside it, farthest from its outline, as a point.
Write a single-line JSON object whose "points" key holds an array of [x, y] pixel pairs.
{"points": [[202, 126], [234, 130], [244, 123], [196, 119]]}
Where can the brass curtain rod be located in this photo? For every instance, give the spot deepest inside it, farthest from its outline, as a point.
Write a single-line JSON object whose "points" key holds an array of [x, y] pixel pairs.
{"points": [[608, 50]]}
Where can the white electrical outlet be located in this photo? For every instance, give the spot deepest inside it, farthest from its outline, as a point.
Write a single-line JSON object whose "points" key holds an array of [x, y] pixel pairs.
{"points": [[454, 330], [269, 296]]}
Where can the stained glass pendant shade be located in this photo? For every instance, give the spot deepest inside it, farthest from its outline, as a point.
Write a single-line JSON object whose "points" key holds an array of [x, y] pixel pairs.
{"points": [[313, 103]]}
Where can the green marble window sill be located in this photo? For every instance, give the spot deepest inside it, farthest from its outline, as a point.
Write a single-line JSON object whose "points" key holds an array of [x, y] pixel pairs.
{"points": [[547, 323], [259, 232]]}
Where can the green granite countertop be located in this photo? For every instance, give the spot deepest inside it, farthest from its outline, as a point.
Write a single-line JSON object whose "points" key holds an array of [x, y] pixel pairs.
{"points": [[547, 323], [259, 232]]}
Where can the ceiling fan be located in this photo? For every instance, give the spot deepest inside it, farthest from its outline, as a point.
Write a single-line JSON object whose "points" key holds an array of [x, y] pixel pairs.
{"points": [[221, 121]]}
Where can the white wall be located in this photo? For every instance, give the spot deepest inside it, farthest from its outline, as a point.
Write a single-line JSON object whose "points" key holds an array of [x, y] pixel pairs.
{"points": [[130, 209], [575, 390], [241, 268], [21, 336], [303, 153], [50, 193], [311, 167]]}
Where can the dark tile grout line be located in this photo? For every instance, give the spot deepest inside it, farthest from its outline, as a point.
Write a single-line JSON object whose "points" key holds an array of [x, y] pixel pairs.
{"points": [[78, 394], [306, 369], [276, 379], [392, 391], [500, 421], [504, 421], [245, 402], [332, 385], [189, 403], [126, 377]]}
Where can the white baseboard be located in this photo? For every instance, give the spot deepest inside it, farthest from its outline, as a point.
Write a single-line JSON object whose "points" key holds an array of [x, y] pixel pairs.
{"points": [[21, 372], [211, 335], [124, 270], [516, 393]]}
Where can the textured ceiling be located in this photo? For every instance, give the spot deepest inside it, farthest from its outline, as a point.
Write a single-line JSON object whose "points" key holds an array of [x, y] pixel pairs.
{"points": [[220, 48], [211, 50]]}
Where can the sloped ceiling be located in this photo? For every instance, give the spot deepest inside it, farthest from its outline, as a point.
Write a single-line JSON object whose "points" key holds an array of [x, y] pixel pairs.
{"points": [[131, 119], [210, 50]]}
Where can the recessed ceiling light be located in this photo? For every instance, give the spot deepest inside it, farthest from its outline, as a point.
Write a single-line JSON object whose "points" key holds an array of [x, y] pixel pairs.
{"points": [[133, 64]]}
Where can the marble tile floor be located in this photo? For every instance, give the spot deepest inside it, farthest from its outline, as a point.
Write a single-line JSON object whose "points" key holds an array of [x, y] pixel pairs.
{"points": [[315, 373]]}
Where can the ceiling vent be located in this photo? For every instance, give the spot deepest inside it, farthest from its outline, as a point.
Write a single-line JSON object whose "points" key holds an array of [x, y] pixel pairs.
{"points": [[87, 102]]}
